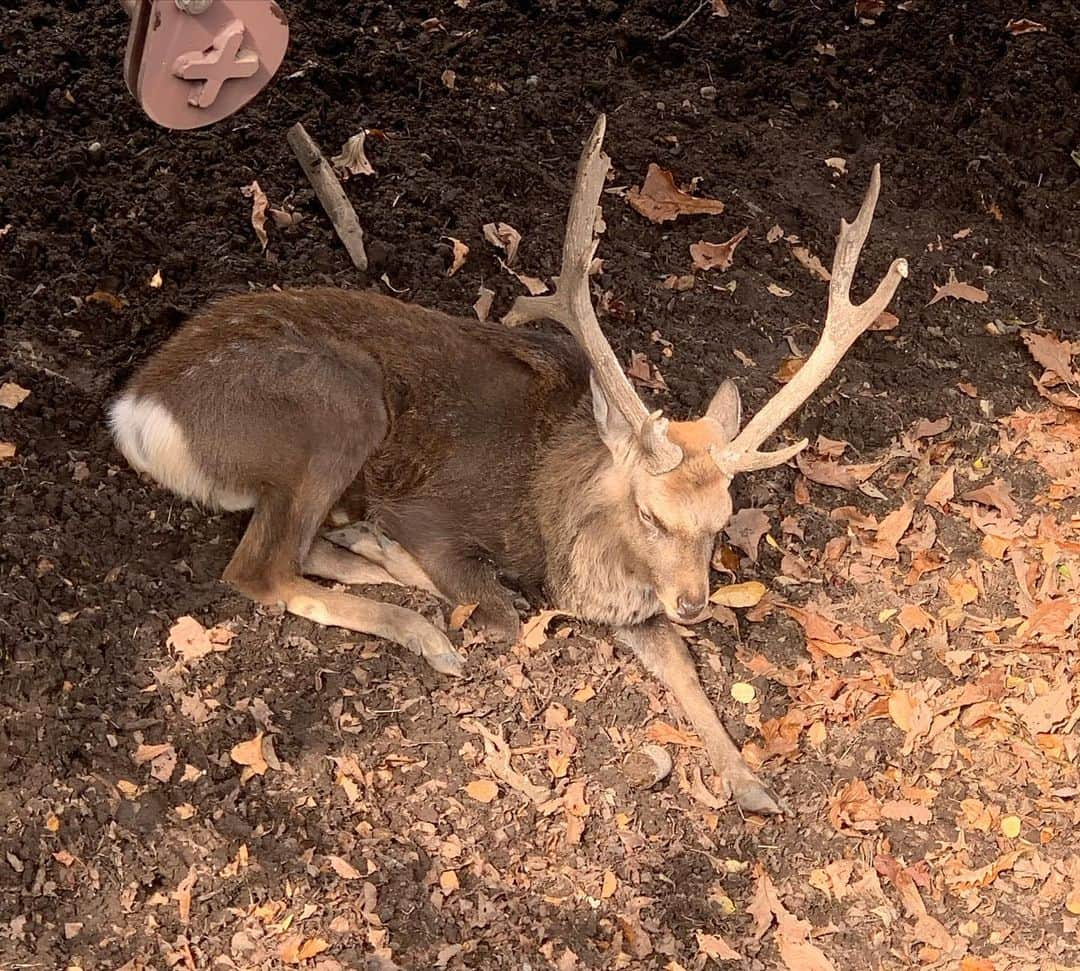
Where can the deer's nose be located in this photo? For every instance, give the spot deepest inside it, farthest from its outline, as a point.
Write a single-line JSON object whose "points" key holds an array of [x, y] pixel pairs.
{"points": [[689, 608]]}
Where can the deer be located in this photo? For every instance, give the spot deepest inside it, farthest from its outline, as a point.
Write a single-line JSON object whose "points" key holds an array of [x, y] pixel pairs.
{"points": [[379, 442]]}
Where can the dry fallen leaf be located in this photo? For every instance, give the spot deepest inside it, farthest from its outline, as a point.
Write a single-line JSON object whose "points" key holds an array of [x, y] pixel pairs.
{"points": [[111, 300], [747, 594], [664, 734], [1053, 354], [778, 291], [1025, 26], [958, 290], [534, 630], [449, 78], [716, 256], [259, 204], [483, 303], [942, 491], [12, 395], [719, 9], [837, 164], [7, 450], [745, 529], [460, 252], [715, 947], [343, 868], [192, 641], [885, 321], [789, 367], [678, 283], [250, 755], [660, 200], [811, 262], [353, 160], [505, 237], [482, 790]]}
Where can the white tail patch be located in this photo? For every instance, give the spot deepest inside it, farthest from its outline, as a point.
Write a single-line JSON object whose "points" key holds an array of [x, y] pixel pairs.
{"points": [[154, 444]]}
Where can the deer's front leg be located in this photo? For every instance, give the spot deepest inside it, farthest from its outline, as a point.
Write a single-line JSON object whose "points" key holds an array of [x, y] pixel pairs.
{"points": [[665, 656]]}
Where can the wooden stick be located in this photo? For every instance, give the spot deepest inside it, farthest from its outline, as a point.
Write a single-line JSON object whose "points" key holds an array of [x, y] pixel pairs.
{"points": [[332, 196]]}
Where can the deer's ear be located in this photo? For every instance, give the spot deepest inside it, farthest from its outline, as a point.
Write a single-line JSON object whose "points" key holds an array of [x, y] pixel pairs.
{"points": [[615, 431], [726, 409]]}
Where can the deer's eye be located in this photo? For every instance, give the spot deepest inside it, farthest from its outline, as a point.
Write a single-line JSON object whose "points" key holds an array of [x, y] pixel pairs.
{"points": [[649, 520]]}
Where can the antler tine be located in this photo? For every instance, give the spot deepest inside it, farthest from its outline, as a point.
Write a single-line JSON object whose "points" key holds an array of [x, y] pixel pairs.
{"points": [[844, 322], [571, 306]]}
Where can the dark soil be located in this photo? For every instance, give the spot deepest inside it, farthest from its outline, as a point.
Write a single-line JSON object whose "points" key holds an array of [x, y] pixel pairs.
{"points": [[973, 128]]}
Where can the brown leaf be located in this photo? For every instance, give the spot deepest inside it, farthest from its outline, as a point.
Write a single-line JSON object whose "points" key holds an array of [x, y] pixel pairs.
{"points": [[534, 631], [182, 896], [715, 947], [854, 808], [12, 395], [716, 256], [192, 641], [505, 237], [719, 9], [343, 868], [1025, 26], [775, 233], [460, 614], [449, 78], [811, 262], [924, 428], [1053, 354], [995, 495], [259, 204], [747, 594], [664, 734], [110, 300], [869, 8], [460, 252], [958, 290], [483, 303], [680, 284], [745, 529], [482, 790], [778, 291], [7, 451], [942, 491], [645, 373], [789, 367], [890, 531], [250, 754], [353, 160], [660, 200], [833, 474], [885, 321]]}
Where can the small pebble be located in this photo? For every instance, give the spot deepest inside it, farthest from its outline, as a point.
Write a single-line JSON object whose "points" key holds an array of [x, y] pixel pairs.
{"points": [[709, 92]]}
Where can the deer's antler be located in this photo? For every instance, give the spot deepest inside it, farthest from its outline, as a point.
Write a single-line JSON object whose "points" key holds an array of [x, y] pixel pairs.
{"points": [[571, 305], [844, 322]]}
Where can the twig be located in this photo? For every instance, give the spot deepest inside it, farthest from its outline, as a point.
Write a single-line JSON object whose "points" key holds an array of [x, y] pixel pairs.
{"points": [[332, 196], [693, 13]]}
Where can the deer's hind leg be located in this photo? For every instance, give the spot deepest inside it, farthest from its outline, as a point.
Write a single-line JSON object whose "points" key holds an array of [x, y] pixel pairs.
{"points": [[269, 562]]}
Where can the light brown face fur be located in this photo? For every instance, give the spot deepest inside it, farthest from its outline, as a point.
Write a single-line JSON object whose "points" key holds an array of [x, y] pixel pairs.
{"points": [[669, 522], [672, 521]]}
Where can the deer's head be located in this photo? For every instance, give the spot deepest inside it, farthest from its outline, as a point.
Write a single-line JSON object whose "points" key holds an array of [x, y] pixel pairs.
{"points": [[670, 481]]}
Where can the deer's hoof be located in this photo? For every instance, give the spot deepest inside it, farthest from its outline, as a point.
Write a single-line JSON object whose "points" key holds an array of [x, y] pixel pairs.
{"points": [[434, 647], [753, 796]]}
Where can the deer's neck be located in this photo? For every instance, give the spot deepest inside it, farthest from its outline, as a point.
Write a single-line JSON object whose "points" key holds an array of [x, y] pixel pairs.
{"points": [[590, 570]]}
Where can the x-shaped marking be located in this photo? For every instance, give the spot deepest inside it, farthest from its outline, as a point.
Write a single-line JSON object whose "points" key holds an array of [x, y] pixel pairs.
{"points": [[220, 62]]}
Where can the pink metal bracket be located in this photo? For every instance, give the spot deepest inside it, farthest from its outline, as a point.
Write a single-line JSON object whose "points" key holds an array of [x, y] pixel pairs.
{"points": [[190, 63]]}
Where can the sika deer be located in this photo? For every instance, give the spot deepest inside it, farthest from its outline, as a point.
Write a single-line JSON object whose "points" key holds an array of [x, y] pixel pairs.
{"points": [[474, 457]]}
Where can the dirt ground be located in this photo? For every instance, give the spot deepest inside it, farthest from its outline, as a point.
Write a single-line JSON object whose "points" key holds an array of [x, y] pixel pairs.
{"points": [[914, 662]]}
